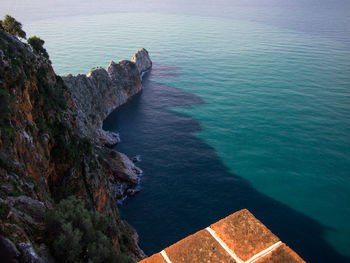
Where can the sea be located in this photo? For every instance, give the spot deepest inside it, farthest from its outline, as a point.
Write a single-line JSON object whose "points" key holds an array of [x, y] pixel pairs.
{"points": [[247, 106]]}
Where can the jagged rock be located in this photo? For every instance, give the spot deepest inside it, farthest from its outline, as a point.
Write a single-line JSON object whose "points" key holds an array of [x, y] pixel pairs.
{"points": [[8, 250], [107, 138], [142, 60], [125, 175], [43, 153], [126, 170], [98, 93], [132, 192], [28, 253], [32, 207]]}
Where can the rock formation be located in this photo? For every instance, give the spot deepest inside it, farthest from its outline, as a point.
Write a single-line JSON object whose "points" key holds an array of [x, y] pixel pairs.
{"points": [[142, 60], [99, 92], [52, 147]]}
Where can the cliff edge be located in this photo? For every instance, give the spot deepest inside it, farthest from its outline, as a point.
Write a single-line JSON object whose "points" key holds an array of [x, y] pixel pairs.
{"points": [[99, 92], [52, 148]]}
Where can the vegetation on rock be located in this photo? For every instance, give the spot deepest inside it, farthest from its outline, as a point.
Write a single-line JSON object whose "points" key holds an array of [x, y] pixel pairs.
{"points": [[45, 159], [84, 230], [12, 26], [37, 45]]}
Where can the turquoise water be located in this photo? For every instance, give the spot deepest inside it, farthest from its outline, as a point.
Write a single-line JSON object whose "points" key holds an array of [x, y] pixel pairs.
{"points": [[276, 101]]}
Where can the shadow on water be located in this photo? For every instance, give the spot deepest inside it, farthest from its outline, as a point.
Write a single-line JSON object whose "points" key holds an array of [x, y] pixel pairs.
{"points": [[185, 186]]}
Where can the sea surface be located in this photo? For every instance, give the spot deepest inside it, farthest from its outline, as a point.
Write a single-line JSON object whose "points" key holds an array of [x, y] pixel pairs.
{"points": [[244, 108]]}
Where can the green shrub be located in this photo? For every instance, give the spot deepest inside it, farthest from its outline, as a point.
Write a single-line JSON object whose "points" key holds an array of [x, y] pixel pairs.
{"points": [[13, 27], [77, 234], [37, 44]]}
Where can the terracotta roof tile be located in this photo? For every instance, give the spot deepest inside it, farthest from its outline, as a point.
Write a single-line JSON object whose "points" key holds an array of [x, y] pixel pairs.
{"points": [[281, 254], [244, 234], [156, 258], [200, 247], [239, 236]]}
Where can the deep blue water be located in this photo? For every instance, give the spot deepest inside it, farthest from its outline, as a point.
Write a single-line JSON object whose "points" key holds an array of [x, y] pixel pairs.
{"points": [[248, 106], [186, 186]]}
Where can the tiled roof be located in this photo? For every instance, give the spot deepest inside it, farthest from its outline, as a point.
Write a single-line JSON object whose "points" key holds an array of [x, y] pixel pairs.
{"points": [[237, 238]]}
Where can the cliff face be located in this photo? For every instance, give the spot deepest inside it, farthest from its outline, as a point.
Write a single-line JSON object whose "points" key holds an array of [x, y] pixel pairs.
{"points": [[99, 92], [142, 60], [51, 147]]}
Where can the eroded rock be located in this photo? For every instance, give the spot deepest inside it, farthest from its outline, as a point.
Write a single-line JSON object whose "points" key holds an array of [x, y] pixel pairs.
{"points": [[142, 60]]}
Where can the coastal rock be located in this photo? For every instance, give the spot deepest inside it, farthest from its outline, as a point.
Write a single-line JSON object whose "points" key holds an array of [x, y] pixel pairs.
{"points": [[142, 60], [125, 169], [125, 175], [52, 145], [101, 91], [132, 192]]}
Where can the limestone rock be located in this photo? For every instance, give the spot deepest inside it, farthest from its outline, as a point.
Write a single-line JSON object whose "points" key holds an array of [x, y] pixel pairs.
{"points": [[52, 145], [125, 175], [101, 91], [142, 60]]}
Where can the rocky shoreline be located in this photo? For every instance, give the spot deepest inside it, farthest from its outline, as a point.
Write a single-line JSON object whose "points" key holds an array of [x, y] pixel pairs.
{"points": [[53, 147], [101, 91], [95, 96]]}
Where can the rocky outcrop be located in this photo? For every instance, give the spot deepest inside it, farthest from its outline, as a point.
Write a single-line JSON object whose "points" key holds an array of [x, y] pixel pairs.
{"points": [[95, 96], [52, 147], [142, 60], [99, 92]]}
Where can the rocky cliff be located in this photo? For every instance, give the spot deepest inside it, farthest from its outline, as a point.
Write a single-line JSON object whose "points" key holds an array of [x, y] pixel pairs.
{"points": [[52, 147], [102, 90]]}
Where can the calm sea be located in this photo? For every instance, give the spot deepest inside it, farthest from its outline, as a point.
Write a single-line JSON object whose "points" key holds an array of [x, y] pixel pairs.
{"points": [[247, 106]]}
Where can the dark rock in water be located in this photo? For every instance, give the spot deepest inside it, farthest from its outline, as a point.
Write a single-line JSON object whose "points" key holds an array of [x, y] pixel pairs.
{"points": [[8, 251], [136, 159], [132, 192]]}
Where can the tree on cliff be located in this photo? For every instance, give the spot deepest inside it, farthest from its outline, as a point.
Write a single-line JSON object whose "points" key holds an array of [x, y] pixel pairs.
{"points": [[37, 44], [12, 26], [78, 234]]}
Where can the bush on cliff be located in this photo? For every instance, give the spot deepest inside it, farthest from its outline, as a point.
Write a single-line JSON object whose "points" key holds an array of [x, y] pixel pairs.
{"points": [[12, 26], [37, 44], [77, 234]]}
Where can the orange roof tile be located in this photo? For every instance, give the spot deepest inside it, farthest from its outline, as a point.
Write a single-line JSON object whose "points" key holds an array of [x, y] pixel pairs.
{"points": [[237, 238], [244, 234], [156, 258], [200, 247]]}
